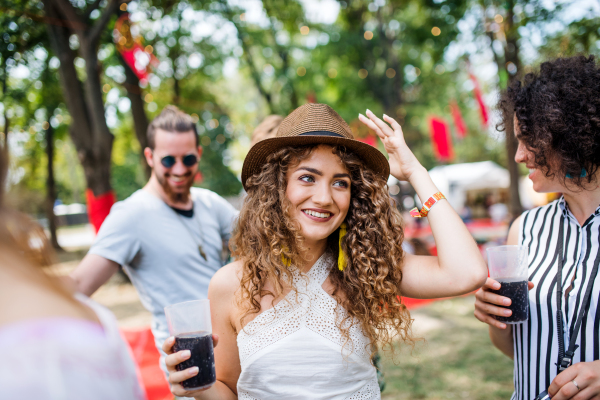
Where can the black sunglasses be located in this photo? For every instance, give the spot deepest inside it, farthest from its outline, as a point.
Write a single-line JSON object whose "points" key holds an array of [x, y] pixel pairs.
{"points": [[189, 160]]}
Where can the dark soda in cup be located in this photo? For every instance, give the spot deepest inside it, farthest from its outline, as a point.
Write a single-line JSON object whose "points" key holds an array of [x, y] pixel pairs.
{"points": [[200, 345], [517, 293], [190, 325], [509, 266]]}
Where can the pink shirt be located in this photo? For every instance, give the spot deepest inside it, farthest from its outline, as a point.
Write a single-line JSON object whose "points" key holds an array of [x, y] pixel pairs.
{"points": [[67, 359]]}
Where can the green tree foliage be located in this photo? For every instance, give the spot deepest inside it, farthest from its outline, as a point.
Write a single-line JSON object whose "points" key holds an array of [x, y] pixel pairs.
{"points": [[188, 69], [229, 69]]}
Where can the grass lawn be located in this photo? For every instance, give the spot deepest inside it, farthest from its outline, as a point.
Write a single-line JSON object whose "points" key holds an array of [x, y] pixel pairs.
{"points": [[456, 359]]}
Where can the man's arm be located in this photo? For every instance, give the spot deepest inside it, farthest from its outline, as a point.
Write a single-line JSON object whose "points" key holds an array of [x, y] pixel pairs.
{"points": [[92, 272]]}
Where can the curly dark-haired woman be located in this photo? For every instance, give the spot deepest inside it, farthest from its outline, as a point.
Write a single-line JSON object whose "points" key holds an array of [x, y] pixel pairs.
{"points": [[557, 124], [320, 270]]}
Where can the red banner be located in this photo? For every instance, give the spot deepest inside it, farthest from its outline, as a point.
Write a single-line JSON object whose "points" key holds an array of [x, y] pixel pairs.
{"points": [[99, 207], [459, 122], [440, 138], [132, 49], [370, 139], [479, 98]]}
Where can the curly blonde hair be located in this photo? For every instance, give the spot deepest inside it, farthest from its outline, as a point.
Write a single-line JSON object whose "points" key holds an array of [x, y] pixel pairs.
{"points": [[373, 247]]}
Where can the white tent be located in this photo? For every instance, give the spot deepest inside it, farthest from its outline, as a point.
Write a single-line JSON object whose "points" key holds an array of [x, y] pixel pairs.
{"points": [[456, 179]]}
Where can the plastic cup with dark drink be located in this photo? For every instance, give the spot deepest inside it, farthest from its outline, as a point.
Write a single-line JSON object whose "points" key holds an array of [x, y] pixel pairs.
{"points": [[508, 265], [189, 323]]}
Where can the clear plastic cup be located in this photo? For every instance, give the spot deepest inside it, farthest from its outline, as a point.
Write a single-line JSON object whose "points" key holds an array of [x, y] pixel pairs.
{"points": [[189, 322], [509, 266]]}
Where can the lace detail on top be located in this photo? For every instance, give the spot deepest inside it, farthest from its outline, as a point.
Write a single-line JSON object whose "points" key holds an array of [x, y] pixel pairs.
{"points": [[312, 308], [366, 392]]}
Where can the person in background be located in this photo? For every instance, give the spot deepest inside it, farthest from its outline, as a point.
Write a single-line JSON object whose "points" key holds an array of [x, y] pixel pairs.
{"points": [[54, 344], [557, 123], [168, 236], [266, 129]]}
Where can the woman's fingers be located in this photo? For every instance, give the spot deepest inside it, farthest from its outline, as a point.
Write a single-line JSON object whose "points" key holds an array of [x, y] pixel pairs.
{"points": [[488, 319], [494, 310], [180, 391], [167, 346], [493, 298], [395, 125], [530, 285], [371, 126], [491, 284], [385, 128], [215, 340], [180, 376], [177, 358], [486, 304]]}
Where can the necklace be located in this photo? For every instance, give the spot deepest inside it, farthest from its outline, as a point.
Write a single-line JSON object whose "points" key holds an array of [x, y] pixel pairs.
{"points": [[200, 249]]}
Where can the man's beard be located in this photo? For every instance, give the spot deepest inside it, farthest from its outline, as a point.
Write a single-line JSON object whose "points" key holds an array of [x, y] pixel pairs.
{"points": [[176, 197]]}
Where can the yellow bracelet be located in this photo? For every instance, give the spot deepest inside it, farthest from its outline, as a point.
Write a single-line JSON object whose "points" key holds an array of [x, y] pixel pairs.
{"points": [[427, 206]]}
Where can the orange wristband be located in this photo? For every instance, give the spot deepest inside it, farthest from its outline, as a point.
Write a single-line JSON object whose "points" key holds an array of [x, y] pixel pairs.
{"points": [[427, 206]]}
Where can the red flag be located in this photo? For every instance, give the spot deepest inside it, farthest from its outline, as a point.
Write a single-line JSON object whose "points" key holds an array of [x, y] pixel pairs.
{"points": [[440, 138], [131, 48], [370, 139], [479, 98], [459, 123], [99, 207]]}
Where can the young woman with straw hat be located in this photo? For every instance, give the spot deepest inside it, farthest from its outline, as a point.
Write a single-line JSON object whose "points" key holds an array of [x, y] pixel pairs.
{"points": [[320, 270]]}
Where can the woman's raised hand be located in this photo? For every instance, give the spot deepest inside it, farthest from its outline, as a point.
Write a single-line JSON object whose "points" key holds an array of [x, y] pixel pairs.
{"points": [[403, 162], [176, 377]]}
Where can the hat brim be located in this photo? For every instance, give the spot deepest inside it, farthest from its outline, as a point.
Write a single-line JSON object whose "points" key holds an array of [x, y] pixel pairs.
{"points": [[258, 154]]}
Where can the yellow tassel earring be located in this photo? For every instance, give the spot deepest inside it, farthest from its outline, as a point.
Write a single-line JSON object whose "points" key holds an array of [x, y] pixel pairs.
{"points": [[341, 257], [286, 261]]}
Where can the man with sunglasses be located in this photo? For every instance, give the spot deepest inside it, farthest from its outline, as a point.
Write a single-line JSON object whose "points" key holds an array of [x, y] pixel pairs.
{"points": [[168, 236]]}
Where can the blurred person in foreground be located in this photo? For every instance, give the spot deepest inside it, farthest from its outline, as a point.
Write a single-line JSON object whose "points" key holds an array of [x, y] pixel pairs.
{"points": [[320, 268], [168, 236], [54, 344], [557, 123]]}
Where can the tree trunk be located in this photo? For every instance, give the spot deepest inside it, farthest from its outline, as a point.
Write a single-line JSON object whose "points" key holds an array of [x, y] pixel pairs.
{"points": [[511, 54], [51, 186], [6, 120], [176, 91], [97, 169], [391, 94], [6, 127], [140, 120], [88, 129]]}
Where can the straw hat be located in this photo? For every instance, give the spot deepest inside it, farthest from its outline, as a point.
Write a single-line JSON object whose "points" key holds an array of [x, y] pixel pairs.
{"points": [[313, 124]]}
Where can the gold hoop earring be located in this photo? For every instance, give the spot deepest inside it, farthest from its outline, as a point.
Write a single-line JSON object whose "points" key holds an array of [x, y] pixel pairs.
{"points": [[341, 256]]}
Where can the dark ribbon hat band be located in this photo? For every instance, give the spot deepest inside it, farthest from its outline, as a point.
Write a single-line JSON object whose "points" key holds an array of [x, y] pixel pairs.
{"points": [[321, 133], [313, 124]]}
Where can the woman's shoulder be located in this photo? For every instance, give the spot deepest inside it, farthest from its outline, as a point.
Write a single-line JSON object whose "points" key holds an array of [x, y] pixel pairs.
{"points": [[513, 231], [226, 281]]}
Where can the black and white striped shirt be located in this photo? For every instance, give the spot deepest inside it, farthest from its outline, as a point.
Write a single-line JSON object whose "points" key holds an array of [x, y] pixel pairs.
{"points": [[535, 341]]}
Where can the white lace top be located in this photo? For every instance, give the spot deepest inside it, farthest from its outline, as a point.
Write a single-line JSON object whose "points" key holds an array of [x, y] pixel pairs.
{"points": [[295, 351]]}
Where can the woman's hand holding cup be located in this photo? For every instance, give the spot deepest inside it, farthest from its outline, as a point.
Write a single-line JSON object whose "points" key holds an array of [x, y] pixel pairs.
{"points": [[176, 377], [488, 304]]}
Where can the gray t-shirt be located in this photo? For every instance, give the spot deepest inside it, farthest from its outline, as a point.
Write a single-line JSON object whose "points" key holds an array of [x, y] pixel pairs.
{"points": [[155, 246]]}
